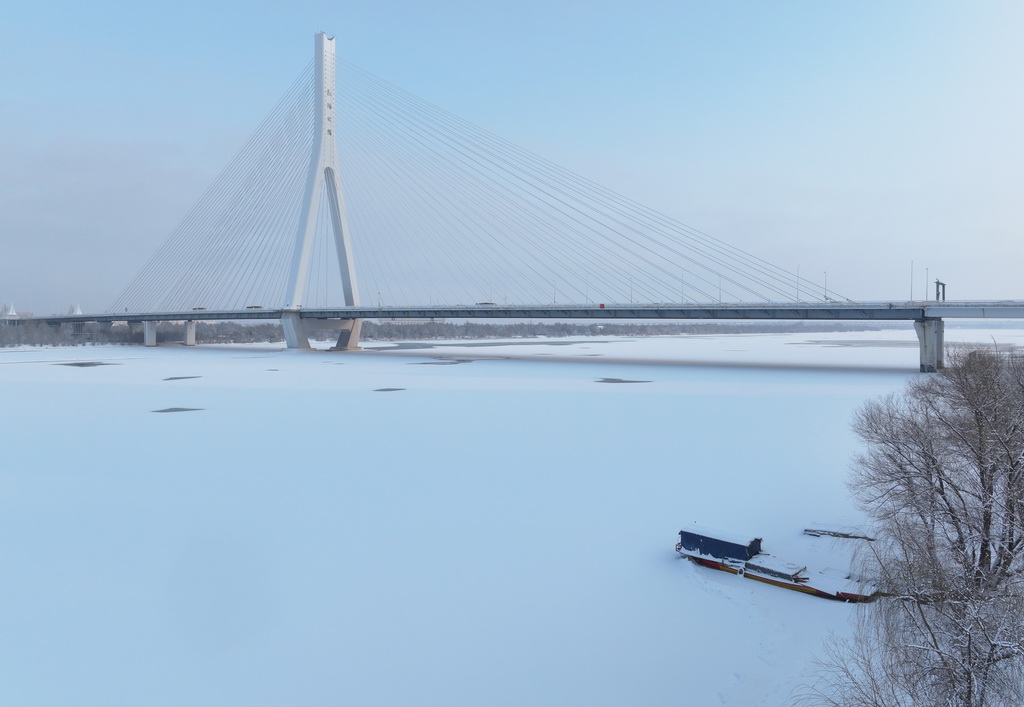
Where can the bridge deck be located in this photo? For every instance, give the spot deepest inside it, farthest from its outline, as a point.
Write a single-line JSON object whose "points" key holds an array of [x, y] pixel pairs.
{"points": [[852, 311]]}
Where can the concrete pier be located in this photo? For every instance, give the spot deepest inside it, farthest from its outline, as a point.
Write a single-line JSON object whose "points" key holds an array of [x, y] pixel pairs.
{"points": [[348, 336], [294, 330], [931, 336]]}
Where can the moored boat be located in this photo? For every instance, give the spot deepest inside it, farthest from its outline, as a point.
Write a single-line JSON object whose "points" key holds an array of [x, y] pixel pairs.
{"points": [[743, 555]]}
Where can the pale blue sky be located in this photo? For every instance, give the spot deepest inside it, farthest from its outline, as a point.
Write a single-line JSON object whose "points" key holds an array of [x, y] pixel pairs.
{"points": [[849, 137]]}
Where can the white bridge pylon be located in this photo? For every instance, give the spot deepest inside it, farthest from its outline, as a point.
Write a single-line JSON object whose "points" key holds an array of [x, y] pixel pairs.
{"points": [[322, 180]]}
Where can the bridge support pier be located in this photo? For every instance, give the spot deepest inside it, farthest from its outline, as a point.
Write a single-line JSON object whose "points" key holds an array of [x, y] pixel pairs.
{"points": [[190, 333], [295, 336], [348, 337], [931, 336], [149, 333], [296, 331]]}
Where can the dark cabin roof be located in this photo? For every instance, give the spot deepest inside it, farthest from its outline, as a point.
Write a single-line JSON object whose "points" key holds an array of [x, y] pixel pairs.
{"points": [[723, 544]]}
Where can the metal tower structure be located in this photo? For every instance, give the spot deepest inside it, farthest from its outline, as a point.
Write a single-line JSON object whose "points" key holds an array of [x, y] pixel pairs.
{"points": [[323, 183]]}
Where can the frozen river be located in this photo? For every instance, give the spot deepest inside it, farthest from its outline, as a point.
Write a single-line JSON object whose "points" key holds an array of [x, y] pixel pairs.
{"points": [[450, 525]]}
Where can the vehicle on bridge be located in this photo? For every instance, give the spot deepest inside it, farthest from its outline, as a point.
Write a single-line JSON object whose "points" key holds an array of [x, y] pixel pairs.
{"points": [[742, 555]]}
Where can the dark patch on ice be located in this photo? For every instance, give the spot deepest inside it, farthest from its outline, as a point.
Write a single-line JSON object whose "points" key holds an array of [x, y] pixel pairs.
{"points": [[443, 362], [272, 369], [178, 410], [181, 378], [617, 380], [386, 390], [86, 364]]}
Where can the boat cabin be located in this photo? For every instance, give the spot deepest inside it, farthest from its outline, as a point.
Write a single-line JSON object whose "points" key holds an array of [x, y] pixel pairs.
{"points": [[722, 544]]}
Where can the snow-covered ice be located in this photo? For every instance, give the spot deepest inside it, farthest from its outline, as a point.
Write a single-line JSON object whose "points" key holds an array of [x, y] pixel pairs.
{"points": [[453, 525]]}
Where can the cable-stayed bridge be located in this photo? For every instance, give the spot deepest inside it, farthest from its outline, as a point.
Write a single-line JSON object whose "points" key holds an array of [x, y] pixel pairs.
{"points": [[354, 191]]}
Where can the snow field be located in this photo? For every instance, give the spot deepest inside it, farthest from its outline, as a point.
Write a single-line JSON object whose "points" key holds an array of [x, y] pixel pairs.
{"points": [[498, 531]]}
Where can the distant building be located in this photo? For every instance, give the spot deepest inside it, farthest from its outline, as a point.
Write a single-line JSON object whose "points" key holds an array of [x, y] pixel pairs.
{"points": [[7, 314]]}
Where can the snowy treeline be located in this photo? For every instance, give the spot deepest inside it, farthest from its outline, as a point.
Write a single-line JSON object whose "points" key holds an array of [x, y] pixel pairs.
{"points": [[18, 333], [388, 331], [942, 477], [37, 334]]}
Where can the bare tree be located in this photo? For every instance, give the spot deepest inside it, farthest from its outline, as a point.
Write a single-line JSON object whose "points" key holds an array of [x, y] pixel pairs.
{"points": [[942, 478]]}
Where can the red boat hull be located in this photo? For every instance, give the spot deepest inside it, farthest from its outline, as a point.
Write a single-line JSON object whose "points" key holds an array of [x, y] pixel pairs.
{"points": [[804, 587]]}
